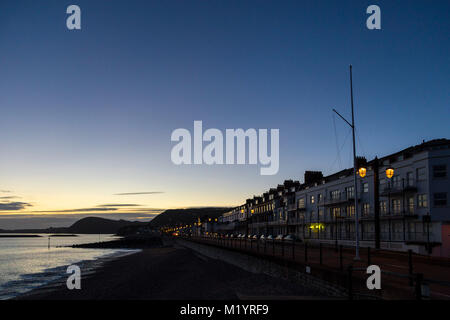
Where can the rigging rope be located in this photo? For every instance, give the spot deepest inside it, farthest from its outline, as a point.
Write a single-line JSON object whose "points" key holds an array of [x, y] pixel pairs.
{"points": [[337, 142]]}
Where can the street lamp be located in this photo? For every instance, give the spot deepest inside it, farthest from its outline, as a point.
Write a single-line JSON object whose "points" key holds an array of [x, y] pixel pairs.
{"points": [[389, 172], [362, 172]]}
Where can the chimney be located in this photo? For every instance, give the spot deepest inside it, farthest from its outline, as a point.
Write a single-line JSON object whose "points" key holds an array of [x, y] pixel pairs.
{"points": [[313, 176]]}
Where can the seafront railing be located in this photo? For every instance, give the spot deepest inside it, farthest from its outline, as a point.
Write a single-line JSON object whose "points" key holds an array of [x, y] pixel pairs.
{"points": [[405, 275]]}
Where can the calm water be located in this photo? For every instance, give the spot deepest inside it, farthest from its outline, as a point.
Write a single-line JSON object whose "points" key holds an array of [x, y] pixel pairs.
{"points": [[27, 263]]}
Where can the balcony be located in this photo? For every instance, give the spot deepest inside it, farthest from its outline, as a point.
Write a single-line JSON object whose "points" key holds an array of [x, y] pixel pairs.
{"points": [[397, 187], [398, 213], [342, 198]]}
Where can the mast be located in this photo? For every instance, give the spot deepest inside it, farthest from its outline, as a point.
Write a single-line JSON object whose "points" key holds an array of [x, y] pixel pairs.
{"points": [[354, 173]]}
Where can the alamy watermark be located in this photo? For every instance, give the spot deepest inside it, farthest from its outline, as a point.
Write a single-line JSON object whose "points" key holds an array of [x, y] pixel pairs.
{"points": [[374, 20], [235, 140], [73, 22], [374, 280], [74, 280]]}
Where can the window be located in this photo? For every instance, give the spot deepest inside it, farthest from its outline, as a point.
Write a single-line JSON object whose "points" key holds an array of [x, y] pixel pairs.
{"points": [[422, 201], [301, 203], [440, 199], [319, 197], [366, 209], [412, 227], [312, 199], [411, 205], [335, 194], [396, 205], [350, 192], [383, 207], [421, 174], [396, 181], [336, 212], [365, 187], [382, 182], [350, 211], [440, 171], [409, 179]]}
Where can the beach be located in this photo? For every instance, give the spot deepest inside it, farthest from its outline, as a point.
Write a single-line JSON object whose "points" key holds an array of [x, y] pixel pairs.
{"points": [[172, 273]]}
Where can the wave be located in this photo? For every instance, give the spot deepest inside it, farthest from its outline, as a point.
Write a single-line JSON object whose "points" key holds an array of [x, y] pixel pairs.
{"points": [[53, 277]]}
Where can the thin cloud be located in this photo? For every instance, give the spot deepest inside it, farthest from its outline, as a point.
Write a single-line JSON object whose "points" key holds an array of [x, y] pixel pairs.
{"points": [[14, 206], [137, 193], [78, 210], [9, 197], [119, 205]]}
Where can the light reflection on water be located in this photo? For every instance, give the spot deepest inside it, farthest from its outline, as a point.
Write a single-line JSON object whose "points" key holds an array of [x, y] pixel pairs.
{"points": [[26, 263]]}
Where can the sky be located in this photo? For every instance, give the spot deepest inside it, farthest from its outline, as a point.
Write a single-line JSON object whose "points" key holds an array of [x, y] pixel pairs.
{"points": [[87, 115]]}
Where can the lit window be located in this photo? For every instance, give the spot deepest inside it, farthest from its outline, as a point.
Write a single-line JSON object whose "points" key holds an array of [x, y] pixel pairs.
{"points": [[383, 207], [396, 206], [411, 205], [422, 201], [301, 203], [312, 199], [336, 212], [366, 209], [350, 211]]}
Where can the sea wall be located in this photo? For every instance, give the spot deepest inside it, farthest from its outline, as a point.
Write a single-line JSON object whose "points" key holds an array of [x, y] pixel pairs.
{"points": [[258, 265]]}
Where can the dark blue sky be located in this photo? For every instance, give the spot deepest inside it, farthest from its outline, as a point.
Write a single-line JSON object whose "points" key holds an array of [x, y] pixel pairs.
{"points": [[87, 114]]}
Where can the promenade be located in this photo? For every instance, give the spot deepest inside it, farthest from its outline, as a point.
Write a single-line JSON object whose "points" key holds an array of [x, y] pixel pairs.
{"points": [[404, 275]]}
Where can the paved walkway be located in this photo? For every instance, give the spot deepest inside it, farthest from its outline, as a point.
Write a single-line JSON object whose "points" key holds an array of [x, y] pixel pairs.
{"points": [[394, 265]]}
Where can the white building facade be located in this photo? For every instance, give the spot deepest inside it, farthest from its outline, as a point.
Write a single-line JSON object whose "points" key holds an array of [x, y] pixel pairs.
{"points": [[410, 210]]}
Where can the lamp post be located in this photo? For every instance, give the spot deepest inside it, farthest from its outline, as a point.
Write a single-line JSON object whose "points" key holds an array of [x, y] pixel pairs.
{"points": [[355, 187], [389, 175]]}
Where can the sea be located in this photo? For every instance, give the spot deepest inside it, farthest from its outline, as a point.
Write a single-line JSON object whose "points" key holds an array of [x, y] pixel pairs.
{"points": [[27, 263]]}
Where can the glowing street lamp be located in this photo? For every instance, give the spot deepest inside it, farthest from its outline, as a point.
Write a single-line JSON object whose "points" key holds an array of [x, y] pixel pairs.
{"points": [[362, 172], [389, 172]]}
